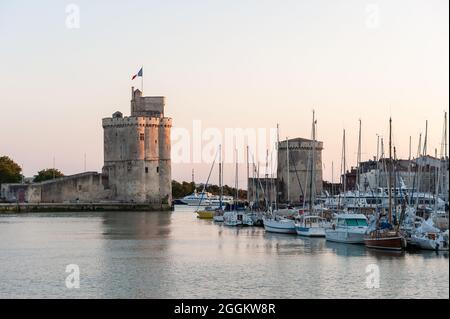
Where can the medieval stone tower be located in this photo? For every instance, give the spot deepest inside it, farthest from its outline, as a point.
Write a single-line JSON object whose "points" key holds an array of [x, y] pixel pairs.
{"points": [[137, 152]]}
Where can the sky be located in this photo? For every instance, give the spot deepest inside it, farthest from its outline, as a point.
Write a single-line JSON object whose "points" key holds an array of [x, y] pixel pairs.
{"points": [[229, 64]]}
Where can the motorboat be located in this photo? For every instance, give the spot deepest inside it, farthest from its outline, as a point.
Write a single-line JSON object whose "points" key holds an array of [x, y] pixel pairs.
{"points": [[197, 199], [347, 228], [311, 225]]}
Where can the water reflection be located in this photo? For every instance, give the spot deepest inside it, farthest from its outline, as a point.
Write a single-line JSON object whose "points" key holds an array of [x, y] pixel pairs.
{"points": [[136, 225], [134, 253], [176, 255], [346, 250]]}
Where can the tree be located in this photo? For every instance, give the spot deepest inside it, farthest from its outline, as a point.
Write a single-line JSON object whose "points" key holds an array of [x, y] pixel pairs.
{"points": [[179, 190], [10, 171], [46, 174]]}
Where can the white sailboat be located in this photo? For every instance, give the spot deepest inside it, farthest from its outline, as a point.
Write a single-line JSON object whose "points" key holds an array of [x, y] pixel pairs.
{"points": [[309, 223], [278, 222], [218, 215], [237, 217]]}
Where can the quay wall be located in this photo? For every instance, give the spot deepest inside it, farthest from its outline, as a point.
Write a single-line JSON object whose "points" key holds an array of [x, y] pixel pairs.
{"points": [[80, 207]]}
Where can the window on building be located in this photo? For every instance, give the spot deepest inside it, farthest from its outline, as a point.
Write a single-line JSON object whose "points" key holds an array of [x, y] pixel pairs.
{"points": [[141, 136], [79, 187], [157, 169], [156, 141], [146, 170]]}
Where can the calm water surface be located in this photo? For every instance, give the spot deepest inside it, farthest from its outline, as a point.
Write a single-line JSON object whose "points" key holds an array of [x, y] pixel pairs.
{"points": [[175, 255]]}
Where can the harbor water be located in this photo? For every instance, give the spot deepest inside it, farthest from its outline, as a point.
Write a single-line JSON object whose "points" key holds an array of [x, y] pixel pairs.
{"points": [[176, 255]]}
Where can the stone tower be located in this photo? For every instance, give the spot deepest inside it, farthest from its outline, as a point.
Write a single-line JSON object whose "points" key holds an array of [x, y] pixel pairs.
{"points": [[137, 152], [300, 151]]}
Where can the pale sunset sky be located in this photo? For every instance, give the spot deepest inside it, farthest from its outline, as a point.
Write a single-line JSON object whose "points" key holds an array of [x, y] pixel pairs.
{"points": [[228, 64]]}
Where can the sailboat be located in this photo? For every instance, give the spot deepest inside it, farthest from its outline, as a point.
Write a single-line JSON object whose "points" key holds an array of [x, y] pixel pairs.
{"points": [[237, 216], [209, 211], [382, 234], [427, 235], [218, 214], [280, 220], [310, 224]]}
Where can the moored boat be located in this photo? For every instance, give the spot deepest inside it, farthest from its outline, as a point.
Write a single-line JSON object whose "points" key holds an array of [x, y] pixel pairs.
{"points": [[207, 213], [431, 241], [347, 228], [382, 235], [279, 224], [237, 218], [311, 226], [389, 239]]}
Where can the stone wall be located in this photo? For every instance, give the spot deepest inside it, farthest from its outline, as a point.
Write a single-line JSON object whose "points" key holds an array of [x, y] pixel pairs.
{"points": [[85, 187]]}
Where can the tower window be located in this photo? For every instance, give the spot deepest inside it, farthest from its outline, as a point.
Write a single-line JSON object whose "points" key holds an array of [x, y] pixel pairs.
{"points": [[157, 169], [156, 141], [146, 170], [141, 136]]}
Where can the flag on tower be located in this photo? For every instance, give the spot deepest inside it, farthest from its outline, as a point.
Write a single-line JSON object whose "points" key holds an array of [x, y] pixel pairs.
{"points": [[140, 73]]}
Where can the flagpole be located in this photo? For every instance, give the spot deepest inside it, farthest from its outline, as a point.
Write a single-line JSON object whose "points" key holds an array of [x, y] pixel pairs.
{"points": [[142, 81]]}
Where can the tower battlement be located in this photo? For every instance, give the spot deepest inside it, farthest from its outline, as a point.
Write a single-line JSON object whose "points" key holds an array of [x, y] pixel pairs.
{"points": [[147, 106]]}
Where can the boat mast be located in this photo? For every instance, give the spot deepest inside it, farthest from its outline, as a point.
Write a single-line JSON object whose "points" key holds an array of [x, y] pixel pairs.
{"points": [[332, 178], [344, 168], [236, 181], [266, 195], [424, 155], [445, 180], [276, 147], [248, 176], [311, 181], [409, 163], [220, 177], [237, 176], [389, 171], [418, 173], [358, 182], [287, 160]]}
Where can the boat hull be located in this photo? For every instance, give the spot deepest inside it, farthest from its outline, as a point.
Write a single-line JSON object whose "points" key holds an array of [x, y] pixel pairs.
{"points": [[274, 226], [310, 231], [237, 219], [387, 243], [205, 214], [218, 219], [428, 244], [345, 237]]}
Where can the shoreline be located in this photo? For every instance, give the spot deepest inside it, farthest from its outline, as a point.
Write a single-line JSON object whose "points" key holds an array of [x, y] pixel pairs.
{"points": [[6, 208]]}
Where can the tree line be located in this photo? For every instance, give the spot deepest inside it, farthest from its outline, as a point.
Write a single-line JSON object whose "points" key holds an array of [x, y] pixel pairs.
{"points": [[11, 172], [179, 190]]}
